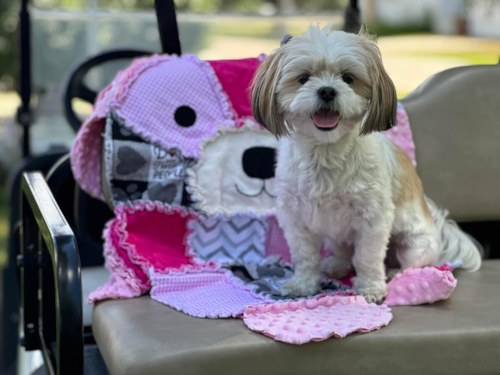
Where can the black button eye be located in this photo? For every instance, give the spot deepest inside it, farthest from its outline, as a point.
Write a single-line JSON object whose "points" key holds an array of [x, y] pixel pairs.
{"points": [[185, 116]]}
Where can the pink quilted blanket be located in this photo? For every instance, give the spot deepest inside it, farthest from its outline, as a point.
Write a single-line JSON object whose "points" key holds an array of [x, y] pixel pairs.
{"points": [[172, 146]]}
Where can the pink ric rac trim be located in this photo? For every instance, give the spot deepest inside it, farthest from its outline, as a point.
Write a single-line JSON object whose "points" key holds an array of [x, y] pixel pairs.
{"points": [[123, 210]]}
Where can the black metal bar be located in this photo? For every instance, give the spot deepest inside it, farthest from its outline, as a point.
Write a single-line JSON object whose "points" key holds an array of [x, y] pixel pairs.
{"points": [[352, 18], [167, 26], [28, 263], [60, 244], [24, 110]]}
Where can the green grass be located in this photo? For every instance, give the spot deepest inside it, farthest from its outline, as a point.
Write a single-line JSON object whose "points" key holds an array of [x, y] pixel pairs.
{"points": [[4, 227], [382, 29], [473, 58]]}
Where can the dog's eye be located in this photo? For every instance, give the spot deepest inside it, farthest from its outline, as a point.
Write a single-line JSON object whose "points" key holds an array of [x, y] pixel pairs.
{"points": [[304, 78], [347, 78]]}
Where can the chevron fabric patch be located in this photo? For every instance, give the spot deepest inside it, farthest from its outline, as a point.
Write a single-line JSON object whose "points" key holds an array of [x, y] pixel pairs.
{"points": [[223, 239]]}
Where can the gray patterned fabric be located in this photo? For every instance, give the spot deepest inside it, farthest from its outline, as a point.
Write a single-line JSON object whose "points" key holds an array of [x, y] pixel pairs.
{"points": [[273, 272], [226, 239], [136, 169]]}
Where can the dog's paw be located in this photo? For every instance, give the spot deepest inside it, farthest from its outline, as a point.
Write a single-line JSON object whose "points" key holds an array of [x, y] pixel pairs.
{"points": [[336, 268], [374, 291], [300, 286], [374, 298]]}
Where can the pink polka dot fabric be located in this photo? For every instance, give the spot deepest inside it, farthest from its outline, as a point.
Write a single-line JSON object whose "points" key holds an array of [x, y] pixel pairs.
{"points": [[316, 319], [419, 286]]}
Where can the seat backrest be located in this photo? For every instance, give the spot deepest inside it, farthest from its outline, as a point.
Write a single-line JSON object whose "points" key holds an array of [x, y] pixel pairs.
{"points": [[86, 215], [455, 119]]}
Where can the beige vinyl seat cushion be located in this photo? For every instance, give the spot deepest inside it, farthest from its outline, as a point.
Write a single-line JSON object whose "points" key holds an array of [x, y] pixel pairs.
{"points": [[458, 336]]}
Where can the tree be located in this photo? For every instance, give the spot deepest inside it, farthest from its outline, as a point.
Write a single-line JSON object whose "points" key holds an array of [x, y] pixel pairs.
{"points": [[8, 24]]}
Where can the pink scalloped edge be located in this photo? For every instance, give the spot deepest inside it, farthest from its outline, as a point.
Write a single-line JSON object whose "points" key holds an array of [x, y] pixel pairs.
{"points": [[219, 92], [122, 210]]}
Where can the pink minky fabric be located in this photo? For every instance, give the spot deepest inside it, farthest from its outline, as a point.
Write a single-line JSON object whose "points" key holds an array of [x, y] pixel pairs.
{"points": [[316, 319], [420, 286], [203, 294]]}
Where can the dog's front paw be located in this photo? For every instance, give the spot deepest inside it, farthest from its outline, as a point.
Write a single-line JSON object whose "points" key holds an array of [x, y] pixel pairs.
{"points": [[374, 291], [336, 268], [301, 286]]}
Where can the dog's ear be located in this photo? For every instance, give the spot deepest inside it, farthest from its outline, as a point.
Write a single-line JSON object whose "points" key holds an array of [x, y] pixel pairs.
{"points": [[382, 110], [264, 106]]}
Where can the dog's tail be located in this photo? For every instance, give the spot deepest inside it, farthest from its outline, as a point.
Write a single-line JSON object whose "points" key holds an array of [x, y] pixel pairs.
{"points": [[454, 244]]}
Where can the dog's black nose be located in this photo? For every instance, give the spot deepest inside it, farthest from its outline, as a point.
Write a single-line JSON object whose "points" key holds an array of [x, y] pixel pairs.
{"points": [[259, 162], [327, 93]]}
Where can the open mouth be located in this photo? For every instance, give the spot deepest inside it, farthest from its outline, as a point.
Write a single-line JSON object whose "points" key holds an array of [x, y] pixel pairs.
{"points": [[326, 119]]}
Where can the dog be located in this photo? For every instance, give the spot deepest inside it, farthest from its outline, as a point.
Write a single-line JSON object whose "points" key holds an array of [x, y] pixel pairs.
{"points": [[327, 97]]}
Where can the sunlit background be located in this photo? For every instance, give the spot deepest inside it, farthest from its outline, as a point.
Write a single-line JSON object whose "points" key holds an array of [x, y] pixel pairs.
{"points": [[417, 37]]}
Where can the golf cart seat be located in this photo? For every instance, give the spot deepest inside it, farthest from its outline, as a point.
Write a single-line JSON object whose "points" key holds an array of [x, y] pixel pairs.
{"points": [[454, 118], [454, 122]]}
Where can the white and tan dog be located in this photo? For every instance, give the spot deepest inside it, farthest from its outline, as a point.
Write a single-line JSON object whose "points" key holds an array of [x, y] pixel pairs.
{"points": [[327, 96]]}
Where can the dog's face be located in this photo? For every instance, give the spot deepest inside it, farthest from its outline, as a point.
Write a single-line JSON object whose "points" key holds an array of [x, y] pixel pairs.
{"points": [[323, 85]]}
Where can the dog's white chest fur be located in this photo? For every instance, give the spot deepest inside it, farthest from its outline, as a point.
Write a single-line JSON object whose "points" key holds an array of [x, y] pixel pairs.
{"points": [[332, 189]]}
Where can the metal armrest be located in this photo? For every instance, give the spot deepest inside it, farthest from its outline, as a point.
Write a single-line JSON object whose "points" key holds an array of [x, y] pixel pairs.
{"points": [[51, 289]]}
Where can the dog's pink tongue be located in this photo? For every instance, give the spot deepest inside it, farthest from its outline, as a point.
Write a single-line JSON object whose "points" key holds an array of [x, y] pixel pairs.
{"points": [[326, 119]]}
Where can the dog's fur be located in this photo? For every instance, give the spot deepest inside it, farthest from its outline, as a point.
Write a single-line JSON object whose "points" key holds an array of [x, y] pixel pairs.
{"points": [[350, 184]]}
